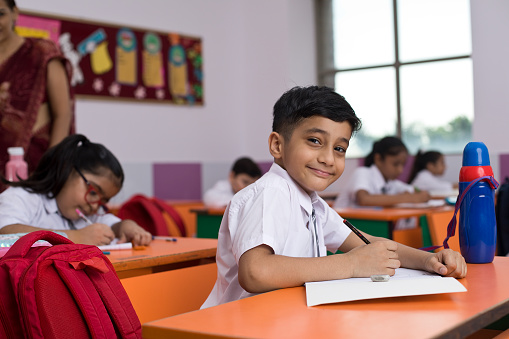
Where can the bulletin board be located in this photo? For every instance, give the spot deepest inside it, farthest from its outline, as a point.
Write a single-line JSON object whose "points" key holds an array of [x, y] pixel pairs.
{"points": [[123, 62]]}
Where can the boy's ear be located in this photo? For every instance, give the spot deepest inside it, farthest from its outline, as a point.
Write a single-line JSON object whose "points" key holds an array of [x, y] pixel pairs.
{"points": [[275, 144], [377, 158]]}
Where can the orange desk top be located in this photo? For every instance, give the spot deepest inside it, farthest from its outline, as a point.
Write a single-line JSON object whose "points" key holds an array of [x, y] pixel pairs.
{"points": [[386, 214], [161, 253], [209, 210], [284, 314]]}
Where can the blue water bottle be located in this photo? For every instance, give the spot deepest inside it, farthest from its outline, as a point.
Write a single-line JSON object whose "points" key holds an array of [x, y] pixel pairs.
{"points": [[477, 222]]}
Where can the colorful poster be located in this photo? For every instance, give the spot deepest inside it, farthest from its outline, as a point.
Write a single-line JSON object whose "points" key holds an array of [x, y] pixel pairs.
{"points": [[124, 62]]}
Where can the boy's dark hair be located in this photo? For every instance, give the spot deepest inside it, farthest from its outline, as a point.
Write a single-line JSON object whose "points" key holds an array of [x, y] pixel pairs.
{"points": [[246, 166], [422, 159], [385, 146], [55, 166], [300, 103]]}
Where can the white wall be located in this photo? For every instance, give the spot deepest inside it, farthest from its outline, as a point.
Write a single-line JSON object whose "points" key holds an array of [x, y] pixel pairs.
{"points": [[252, 51]]}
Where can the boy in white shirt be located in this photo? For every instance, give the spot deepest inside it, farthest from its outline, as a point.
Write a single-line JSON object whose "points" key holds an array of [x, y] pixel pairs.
{"points": [[276, 232], [243, 173]]}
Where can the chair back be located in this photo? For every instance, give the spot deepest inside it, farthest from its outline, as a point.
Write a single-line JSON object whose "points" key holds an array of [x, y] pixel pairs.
{"points": [[437, 224]]}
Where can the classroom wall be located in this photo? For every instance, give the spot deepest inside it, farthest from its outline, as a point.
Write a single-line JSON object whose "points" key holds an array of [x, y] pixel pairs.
{"points": [[253, 51]]}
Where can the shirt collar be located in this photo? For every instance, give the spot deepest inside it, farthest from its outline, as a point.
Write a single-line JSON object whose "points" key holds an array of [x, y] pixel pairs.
{"points": [[307, 201], [50, 204]]}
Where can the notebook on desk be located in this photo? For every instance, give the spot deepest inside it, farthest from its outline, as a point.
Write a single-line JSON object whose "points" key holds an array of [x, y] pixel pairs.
{"points": [[429, 204], [406, 282]]}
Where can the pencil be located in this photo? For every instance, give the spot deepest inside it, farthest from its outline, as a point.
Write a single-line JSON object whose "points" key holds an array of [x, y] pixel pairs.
{"points": [[356, 231], [82, 216]]}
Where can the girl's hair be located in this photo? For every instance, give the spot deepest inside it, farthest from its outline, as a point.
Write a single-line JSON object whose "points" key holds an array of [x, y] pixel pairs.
{"points": [[55, 166], [10, 3], [385, 146], [422, 160]]}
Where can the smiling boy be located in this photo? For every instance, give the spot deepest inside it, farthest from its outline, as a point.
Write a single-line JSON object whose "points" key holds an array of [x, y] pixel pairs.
{"points": [[276, 232]]}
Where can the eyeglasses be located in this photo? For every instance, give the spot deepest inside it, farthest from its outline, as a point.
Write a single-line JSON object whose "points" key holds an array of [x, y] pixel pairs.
{"points": [[92, 196]]}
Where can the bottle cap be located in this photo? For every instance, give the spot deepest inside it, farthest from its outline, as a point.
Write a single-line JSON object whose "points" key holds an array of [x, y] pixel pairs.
{"points": [[15, 151], [476, 154]]}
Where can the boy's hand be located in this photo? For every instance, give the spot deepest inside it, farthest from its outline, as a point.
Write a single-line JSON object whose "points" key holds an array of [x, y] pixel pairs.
{"points": [[448, 263], [379, 257]]}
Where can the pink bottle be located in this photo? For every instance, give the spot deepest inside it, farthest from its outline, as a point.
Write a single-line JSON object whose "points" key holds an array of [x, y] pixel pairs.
{"points": [[16, 168]]}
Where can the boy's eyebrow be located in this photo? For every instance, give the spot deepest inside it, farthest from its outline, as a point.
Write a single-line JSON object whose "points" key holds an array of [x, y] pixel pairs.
{"points": [[321, 131]]}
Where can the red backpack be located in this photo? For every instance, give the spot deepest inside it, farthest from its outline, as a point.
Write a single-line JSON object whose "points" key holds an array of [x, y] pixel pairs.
{"points": [[154, 215], [62, 291]]}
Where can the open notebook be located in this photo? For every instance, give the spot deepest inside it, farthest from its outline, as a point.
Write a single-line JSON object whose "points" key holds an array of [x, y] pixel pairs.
{"points": [[405, 282]]}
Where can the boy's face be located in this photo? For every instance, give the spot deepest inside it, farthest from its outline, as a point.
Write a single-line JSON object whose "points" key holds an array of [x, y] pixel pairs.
{"points": [[239, 181], [315, 154]]}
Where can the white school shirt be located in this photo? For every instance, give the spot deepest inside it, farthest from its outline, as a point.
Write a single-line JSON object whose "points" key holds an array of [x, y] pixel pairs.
{"points": [[371, 180], [427, 181], [219, 195], [18, 206], [276, 212]]}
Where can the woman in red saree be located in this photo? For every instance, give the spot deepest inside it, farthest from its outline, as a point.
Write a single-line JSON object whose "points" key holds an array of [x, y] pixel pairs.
{"points": [[36, 102]]}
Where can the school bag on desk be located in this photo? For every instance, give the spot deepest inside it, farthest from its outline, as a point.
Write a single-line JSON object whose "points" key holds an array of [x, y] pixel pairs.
{"points": [[66, 290]]}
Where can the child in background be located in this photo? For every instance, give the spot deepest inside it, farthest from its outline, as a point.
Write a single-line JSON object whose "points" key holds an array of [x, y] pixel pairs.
{"points": [[276, 232], [426, 172], [243, 173], [76, 174], [376, 183]]}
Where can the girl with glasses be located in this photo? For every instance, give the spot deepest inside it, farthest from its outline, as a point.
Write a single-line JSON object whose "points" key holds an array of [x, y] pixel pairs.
{"points": [[75, 176]]}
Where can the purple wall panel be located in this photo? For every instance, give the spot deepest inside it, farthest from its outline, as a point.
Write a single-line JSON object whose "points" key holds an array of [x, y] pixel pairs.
{"points": [[504, 167], [177, 181]]}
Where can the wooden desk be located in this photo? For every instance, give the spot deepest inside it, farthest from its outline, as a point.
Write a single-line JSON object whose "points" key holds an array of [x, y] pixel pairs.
{"points": [[163, 255], [284, 314], [381, 221]]}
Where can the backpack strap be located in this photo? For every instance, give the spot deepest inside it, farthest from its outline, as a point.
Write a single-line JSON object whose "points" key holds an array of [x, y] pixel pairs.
{"points": [[21, 247], [451, 228], [175, 216], [101, 297]]}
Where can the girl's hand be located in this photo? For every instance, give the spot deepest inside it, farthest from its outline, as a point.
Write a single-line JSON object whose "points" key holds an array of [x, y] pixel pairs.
{"points": [[95, 234], [447, 263], [130, 231], [4, 94]]}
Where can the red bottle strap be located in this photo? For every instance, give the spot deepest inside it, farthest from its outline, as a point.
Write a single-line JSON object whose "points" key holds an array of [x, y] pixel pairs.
{"points": [[451, 228]]}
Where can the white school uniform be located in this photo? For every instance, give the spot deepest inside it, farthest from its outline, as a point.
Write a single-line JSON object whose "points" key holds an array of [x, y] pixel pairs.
{"points": [[18, 206], [276, 212], [427, 181], [219, 195], [371, 180]]}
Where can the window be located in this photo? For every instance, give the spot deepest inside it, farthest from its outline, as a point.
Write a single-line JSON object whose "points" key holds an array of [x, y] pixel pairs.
{"points": [[405, 67]]}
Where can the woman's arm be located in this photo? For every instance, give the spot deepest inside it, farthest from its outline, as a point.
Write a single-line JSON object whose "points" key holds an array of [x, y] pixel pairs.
{"points": [[59, 101]]}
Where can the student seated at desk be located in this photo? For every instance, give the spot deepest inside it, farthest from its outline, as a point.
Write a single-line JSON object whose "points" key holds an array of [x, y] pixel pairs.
{"points": [[243, 173], [276, 232], [75, 175], [427, 171], [376, 183]]}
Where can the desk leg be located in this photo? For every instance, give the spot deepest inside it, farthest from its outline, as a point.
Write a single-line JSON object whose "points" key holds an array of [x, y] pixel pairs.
{"points": [[207, 226]]}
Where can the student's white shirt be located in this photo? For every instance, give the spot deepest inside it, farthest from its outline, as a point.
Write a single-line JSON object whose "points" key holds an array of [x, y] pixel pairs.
{"points": [[371, 180], [427, 181], [18, 206], [219, 195], [273, 211]]}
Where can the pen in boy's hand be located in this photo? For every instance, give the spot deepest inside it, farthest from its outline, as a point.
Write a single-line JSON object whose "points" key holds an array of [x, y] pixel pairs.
{"points": [[82, 216], [356, 231]]}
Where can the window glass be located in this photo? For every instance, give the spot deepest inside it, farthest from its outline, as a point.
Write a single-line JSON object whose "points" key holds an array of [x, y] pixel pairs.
{"points": [[372, 94], [433, 29], [437, 105], [363, 33]]}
